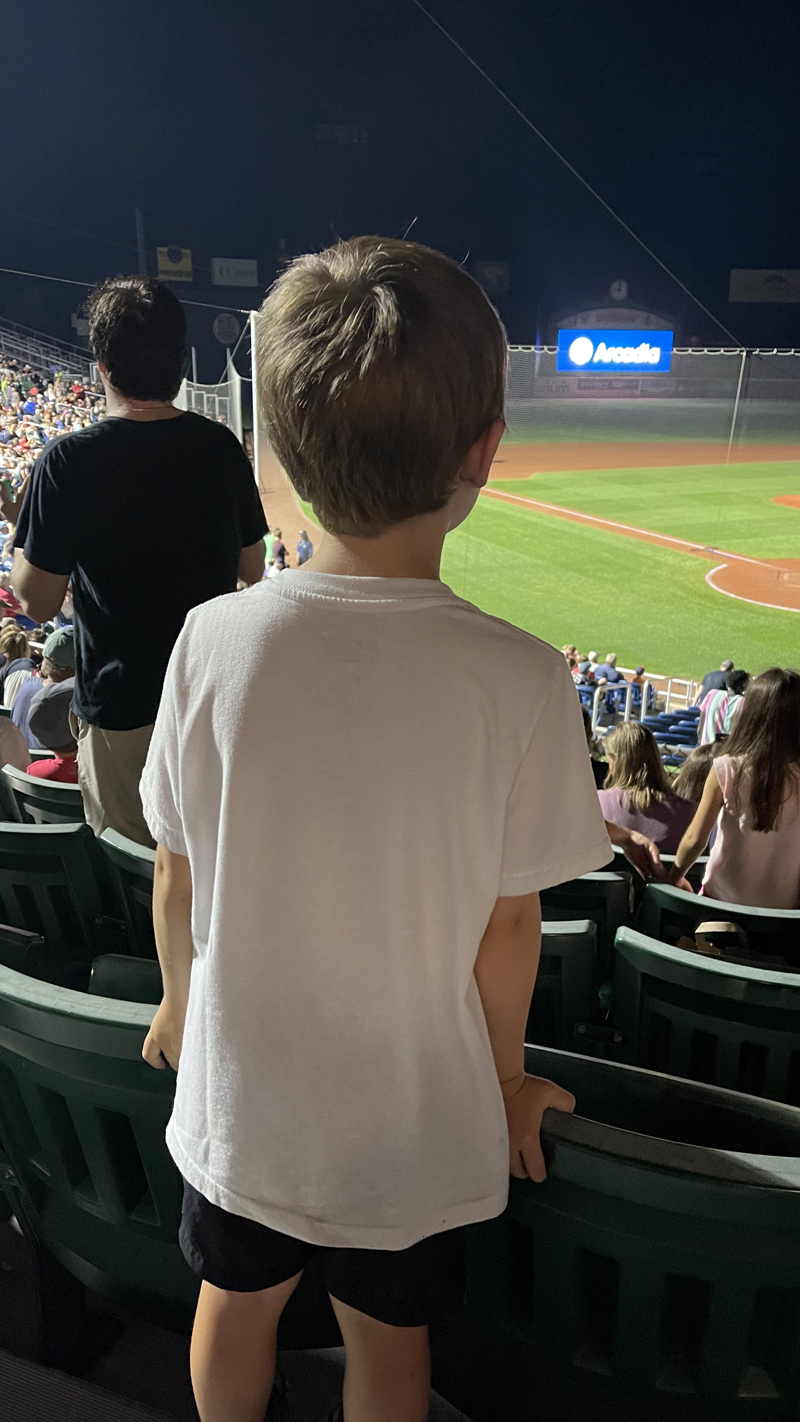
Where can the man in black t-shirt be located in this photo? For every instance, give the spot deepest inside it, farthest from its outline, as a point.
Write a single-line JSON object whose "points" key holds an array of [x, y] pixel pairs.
{"points": [[149, 512], [714, 681]]}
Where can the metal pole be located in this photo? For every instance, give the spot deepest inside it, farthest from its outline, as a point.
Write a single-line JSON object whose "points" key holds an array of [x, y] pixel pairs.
{"points": [[736, 407], [140, 242], [194, 365], [254, 386]]}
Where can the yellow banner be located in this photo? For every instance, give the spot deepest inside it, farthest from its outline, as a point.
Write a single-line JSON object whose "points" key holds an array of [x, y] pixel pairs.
{"points": [[174, 263]]}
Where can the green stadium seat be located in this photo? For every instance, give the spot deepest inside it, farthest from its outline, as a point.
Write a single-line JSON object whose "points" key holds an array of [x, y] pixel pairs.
{"points": [[695, 875], [669, 914], [121, 976], [706, 1019], [656, 1272], [606, 899], [85, 1167], [21, 950], [131, 867], [42, 802], [51, 884], [565, 992]]}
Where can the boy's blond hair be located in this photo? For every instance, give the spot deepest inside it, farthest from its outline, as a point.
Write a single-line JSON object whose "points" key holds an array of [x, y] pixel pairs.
{"points": [[380, 362]]}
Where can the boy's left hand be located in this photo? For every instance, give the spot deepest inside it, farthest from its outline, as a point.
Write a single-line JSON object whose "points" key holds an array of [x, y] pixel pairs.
{"points": [[162, 1045], [526, 1101]]}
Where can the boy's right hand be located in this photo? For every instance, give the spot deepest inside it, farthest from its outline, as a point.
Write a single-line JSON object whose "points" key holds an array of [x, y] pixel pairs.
{"points": [[163, 1043], [526, 1101]]}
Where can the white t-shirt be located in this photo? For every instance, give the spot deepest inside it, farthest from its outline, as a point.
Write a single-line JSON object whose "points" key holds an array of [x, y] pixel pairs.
{"points": [[356, 768]]}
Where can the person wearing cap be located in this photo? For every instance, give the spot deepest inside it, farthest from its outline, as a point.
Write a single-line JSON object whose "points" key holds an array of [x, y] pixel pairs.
{"points": [[50, 724], [305, 548], [638, 677], [58, 665]]}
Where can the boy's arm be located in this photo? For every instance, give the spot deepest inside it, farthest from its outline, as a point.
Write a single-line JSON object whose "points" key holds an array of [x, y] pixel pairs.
{"points": [[172, 920], [505, 972]]}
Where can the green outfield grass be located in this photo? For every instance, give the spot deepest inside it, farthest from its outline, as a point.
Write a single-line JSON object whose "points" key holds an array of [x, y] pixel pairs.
{"points": [[566, 582], [724, 506]]}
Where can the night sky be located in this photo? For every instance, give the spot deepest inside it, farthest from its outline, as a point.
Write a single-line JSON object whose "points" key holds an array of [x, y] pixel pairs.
{"points": [[225, 122]]}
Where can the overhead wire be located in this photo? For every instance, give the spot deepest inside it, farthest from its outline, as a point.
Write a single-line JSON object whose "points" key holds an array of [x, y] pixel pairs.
{"points": [[70, 281], [568, 165]]}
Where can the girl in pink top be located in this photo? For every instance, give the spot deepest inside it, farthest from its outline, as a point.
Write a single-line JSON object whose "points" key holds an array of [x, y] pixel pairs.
{"points": [[753, 792]]}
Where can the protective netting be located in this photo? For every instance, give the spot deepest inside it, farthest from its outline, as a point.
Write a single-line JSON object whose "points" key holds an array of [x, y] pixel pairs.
{"points": [[222, 402]]}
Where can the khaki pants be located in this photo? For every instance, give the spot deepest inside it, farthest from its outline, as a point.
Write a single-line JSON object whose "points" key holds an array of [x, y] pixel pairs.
{"points": [[110, 765]]}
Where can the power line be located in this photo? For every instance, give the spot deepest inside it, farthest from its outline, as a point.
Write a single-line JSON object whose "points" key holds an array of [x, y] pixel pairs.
{"points": [[570, 166], [70, 281]]}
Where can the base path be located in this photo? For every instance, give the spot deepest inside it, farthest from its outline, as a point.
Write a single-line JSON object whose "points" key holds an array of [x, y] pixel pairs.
{"points": [[773, 582], [522, 461]]}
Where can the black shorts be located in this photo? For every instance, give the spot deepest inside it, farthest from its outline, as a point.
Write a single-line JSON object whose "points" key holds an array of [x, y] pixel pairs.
{"points": [[404, 1287]]}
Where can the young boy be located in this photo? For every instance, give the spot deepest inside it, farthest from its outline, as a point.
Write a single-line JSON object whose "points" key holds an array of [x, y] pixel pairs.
{"points": [[351, 1077]]}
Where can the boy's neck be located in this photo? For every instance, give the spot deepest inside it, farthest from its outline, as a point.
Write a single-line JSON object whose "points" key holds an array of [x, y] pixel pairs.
{"points": [[408, 550]]}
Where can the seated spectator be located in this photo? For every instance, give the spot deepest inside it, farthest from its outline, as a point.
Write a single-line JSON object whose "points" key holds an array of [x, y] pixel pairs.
{"points": [[588, 667], [637, 793], [14, 646], [276, 565], [693, 774], [49, 722], [714, 681], [719, 710], [599, 765], [58, 664], [305, 548], [638, 677], [752, 793], [607, 670]]}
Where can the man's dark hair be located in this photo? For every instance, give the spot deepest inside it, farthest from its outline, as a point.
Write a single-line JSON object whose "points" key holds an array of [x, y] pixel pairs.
{"points": [[137, 330], [737, 682]]}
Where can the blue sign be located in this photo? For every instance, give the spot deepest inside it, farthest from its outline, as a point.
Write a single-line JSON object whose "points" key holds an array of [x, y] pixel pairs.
{"points": [[622, 352]]}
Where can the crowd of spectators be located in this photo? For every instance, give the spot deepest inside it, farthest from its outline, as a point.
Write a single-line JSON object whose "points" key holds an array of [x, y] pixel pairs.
{"points": [[36, 406], [590, 671]]}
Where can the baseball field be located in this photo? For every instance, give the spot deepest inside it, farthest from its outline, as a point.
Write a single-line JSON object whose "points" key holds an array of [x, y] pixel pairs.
{"points": [[672, 565]]}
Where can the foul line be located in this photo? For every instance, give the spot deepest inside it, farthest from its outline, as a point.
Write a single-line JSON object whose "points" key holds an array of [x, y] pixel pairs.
{"points": [[648, 535]]}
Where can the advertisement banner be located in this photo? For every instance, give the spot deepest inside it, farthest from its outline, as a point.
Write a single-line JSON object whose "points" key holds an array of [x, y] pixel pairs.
{"points": [[776, 285], [174, 263], [234, 271], [614, 352]]}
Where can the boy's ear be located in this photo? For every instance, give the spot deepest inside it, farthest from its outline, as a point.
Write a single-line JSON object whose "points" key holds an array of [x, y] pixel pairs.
{"points": [[476, 466]]}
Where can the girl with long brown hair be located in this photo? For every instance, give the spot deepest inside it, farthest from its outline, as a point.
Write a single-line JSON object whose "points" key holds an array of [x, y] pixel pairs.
{"points": [[637, 793], [753, 791]]}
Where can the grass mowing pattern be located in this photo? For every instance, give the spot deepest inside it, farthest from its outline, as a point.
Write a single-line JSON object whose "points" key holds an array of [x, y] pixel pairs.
{"points": [[569, 583], [724, 506]]}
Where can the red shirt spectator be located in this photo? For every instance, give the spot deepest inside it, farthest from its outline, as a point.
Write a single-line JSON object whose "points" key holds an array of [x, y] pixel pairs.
{"points": [[61, 767]]}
